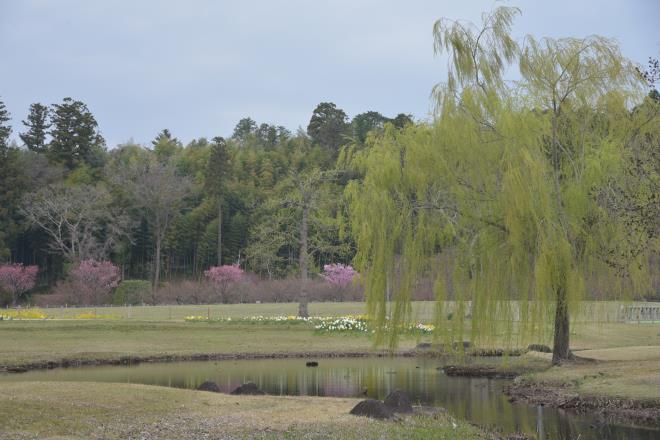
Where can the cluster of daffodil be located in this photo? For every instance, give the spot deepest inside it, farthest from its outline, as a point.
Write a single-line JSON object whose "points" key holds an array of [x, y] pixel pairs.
{"points": [[22, 314], [344, 324], [290, 319], [90, 315], [360, 324], [322, 324]]}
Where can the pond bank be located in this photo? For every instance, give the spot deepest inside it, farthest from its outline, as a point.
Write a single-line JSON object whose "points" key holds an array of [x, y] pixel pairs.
{"points": [[135, 359], [608, 409], [128, 411], [611, 390]]}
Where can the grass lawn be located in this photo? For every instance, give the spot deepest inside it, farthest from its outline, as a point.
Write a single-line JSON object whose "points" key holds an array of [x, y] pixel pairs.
{"points": [[75, 410], [627, 379], [149, 331], [603, 311], [627, 365], [179, 312], [31, 341]]}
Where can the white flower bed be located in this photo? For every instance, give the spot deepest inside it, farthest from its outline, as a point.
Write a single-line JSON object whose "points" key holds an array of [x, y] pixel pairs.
{"points": [[338, 324]]}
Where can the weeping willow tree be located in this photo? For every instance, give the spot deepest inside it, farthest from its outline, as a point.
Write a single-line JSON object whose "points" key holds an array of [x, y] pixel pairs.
{"points": [[505, 180]]}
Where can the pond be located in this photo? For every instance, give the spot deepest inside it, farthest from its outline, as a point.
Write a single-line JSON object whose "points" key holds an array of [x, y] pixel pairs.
{"points": [[478, 400]]}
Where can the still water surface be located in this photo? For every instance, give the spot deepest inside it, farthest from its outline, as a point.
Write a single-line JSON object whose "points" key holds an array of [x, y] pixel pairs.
{"points": [[477, 400]]}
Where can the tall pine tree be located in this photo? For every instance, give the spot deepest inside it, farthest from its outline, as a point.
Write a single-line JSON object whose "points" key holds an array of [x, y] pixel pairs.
{"points": [[76, 139], [5, 129], [9, 176], [37, 123]]}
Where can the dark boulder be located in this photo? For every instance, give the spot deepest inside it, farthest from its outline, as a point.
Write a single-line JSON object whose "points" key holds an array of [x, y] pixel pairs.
{"points": [[209, 386], [374, 409], [248, 389], [539, 347], [311, 364], [456, 346], [399, 402]]}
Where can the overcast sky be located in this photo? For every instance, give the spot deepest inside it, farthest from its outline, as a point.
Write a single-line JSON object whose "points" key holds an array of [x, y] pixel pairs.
{"points": [[198, 66]]}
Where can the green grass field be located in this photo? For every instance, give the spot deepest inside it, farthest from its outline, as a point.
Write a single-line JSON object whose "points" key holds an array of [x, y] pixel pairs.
{"points": [[30, 341], [627, 365], [161, 330], [179, 312], [423, 311]]}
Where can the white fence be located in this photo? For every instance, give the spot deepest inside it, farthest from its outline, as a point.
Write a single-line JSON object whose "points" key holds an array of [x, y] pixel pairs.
{"points": [[643, 313]]}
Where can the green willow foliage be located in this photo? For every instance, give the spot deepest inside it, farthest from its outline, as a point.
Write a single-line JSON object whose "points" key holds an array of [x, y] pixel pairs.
{"points": [[504, 184]]}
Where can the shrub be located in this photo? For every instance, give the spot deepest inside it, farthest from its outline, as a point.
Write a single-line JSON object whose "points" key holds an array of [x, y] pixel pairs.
{"points": [[132, 292], [17, 279], [223, 278], [92, 280], [340, 276], [186, 292]]}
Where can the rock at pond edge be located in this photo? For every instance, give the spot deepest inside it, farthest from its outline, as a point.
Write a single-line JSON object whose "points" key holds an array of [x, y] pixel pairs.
{"points": [[399, 401], [209, 386], [371, 408], [249, 388]]}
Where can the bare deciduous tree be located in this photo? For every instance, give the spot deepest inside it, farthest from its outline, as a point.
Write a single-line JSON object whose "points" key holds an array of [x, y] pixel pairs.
{"points": [[80, 220], [307, 195], [159, 190]]}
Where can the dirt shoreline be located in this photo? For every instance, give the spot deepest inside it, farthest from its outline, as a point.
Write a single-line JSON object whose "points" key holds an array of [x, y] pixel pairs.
{"points": [[134, 359], [607, 409], [563, 396]]}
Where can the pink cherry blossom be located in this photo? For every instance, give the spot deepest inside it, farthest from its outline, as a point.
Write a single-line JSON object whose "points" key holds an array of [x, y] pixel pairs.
{"points": [[339, 274], [17, 279], [223, 277], [93, 279]]}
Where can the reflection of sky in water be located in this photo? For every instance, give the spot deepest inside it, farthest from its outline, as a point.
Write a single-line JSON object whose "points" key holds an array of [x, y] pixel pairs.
{"points": [[478, 400]]}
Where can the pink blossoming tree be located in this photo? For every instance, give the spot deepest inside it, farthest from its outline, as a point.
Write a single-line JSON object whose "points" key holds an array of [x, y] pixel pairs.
{"points": [[339, 275], [17, 279], [92, 280], [223, 278]]}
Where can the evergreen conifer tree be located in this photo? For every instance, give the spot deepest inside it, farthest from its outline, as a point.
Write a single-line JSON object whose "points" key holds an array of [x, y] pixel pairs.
{"points": [[37, 124], [75, 136]]}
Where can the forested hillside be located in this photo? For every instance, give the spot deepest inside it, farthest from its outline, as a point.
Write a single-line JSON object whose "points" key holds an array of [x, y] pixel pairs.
{"points": [[238, 199], [281, 206]]}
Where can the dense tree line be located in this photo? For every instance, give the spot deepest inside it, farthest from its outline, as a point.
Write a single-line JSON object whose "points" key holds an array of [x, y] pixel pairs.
{"points": [[264, 198]]}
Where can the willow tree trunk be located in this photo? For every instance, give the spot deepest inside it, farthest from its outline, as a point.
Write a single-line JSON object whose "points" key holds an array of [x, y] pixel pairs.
{"points": [[219, 231], [560, 350], [304, 300]]}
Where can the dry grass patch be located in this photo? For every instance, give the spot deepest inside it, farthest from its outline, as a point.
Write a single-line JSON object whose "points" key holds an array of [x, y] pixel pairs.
{"points": [[639, 379], [639, 353], [100, 410]]}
